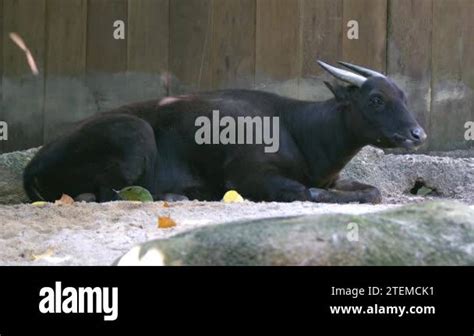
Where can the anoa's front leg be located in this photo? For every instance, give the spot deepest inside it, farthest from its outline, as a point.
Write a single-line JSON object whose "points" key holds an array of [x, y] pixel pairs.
{"points": [[347, 191]]}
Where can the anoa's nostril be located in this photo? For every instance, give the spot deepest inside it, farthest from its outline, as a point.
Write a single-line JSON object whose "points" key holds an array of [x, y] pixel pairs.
{"points": [[418, 134]]}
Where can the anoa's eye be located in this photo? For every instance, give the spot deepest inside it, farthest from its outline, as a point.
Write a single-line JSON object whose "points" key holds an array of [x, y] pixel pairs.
{"points": [[376, 101]]}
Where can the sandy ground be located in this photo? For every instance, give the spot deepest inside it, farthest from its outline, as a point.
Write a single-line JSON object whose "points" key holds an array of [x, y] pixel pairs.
{"points": [[96, 234]]}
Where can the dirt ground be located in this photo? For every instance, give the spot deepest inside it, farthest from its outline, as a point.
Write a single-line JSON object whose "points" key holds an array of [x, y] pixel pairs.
{"points": [[96, 234]]}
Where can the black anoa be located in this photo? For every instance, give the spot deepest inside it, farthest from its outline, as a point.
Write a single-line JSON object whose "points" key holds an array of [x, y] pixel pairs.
{"points": [[152, 144]]}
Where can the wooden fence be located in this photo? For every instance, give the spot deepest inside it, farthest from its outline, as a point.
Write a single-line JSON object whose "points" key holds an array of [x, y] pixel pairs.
{"points": [[425, 45]]}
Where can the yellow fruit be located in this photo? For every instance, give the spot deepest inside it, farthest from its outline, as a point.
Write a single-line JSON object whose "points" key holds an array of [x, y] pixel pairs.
{"points": [[232, 196], [39, 203]]}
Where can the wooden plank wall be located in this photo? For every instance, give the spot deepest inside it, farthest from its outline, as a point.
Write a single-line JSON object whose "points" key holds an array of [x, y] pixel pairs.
{"points": [[23, 93], [176, 46], [147, 48], [106, 57], [233, 44], [278, 51], [65, 94], [370, 48], [409, 53], [452, 72], [190, 41], [321, 38]]}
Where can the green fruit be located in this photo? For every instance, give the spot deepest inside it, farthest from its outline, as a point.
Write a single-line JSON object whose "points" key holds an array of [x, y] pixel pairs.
{"points": [[135, 193]]}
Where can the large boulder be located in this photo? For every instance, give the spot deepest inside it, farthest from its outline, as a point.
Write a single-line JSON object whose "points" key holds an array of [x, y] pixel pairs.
{"points": [[11, 175], [431, 233]]}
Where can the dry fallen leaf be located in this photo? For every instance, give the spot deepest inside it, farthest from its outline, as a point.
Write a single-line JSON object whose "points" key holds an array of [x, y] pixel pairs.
{"points": [[165, 222], [65, 200], [29, 57], [166, 205], [48, 253]]}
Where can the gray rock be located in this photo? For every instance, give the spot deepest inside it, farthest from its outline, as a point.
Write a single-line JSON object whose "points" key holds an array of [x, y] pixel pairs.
{"points": [[17, 161], [395, 175], [11, 172], [11, 189], [430, 233]]}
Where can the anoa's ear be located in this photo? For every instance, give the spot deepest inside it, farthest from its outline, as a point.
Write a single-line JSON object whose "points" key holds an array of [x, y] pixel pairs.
{"points": [[340, 92]]}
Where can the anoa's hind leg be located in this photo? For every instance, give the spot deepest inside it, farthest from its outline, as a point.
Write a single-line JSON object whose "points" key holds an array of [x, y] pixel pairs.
{"points": [[106, 153]]}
